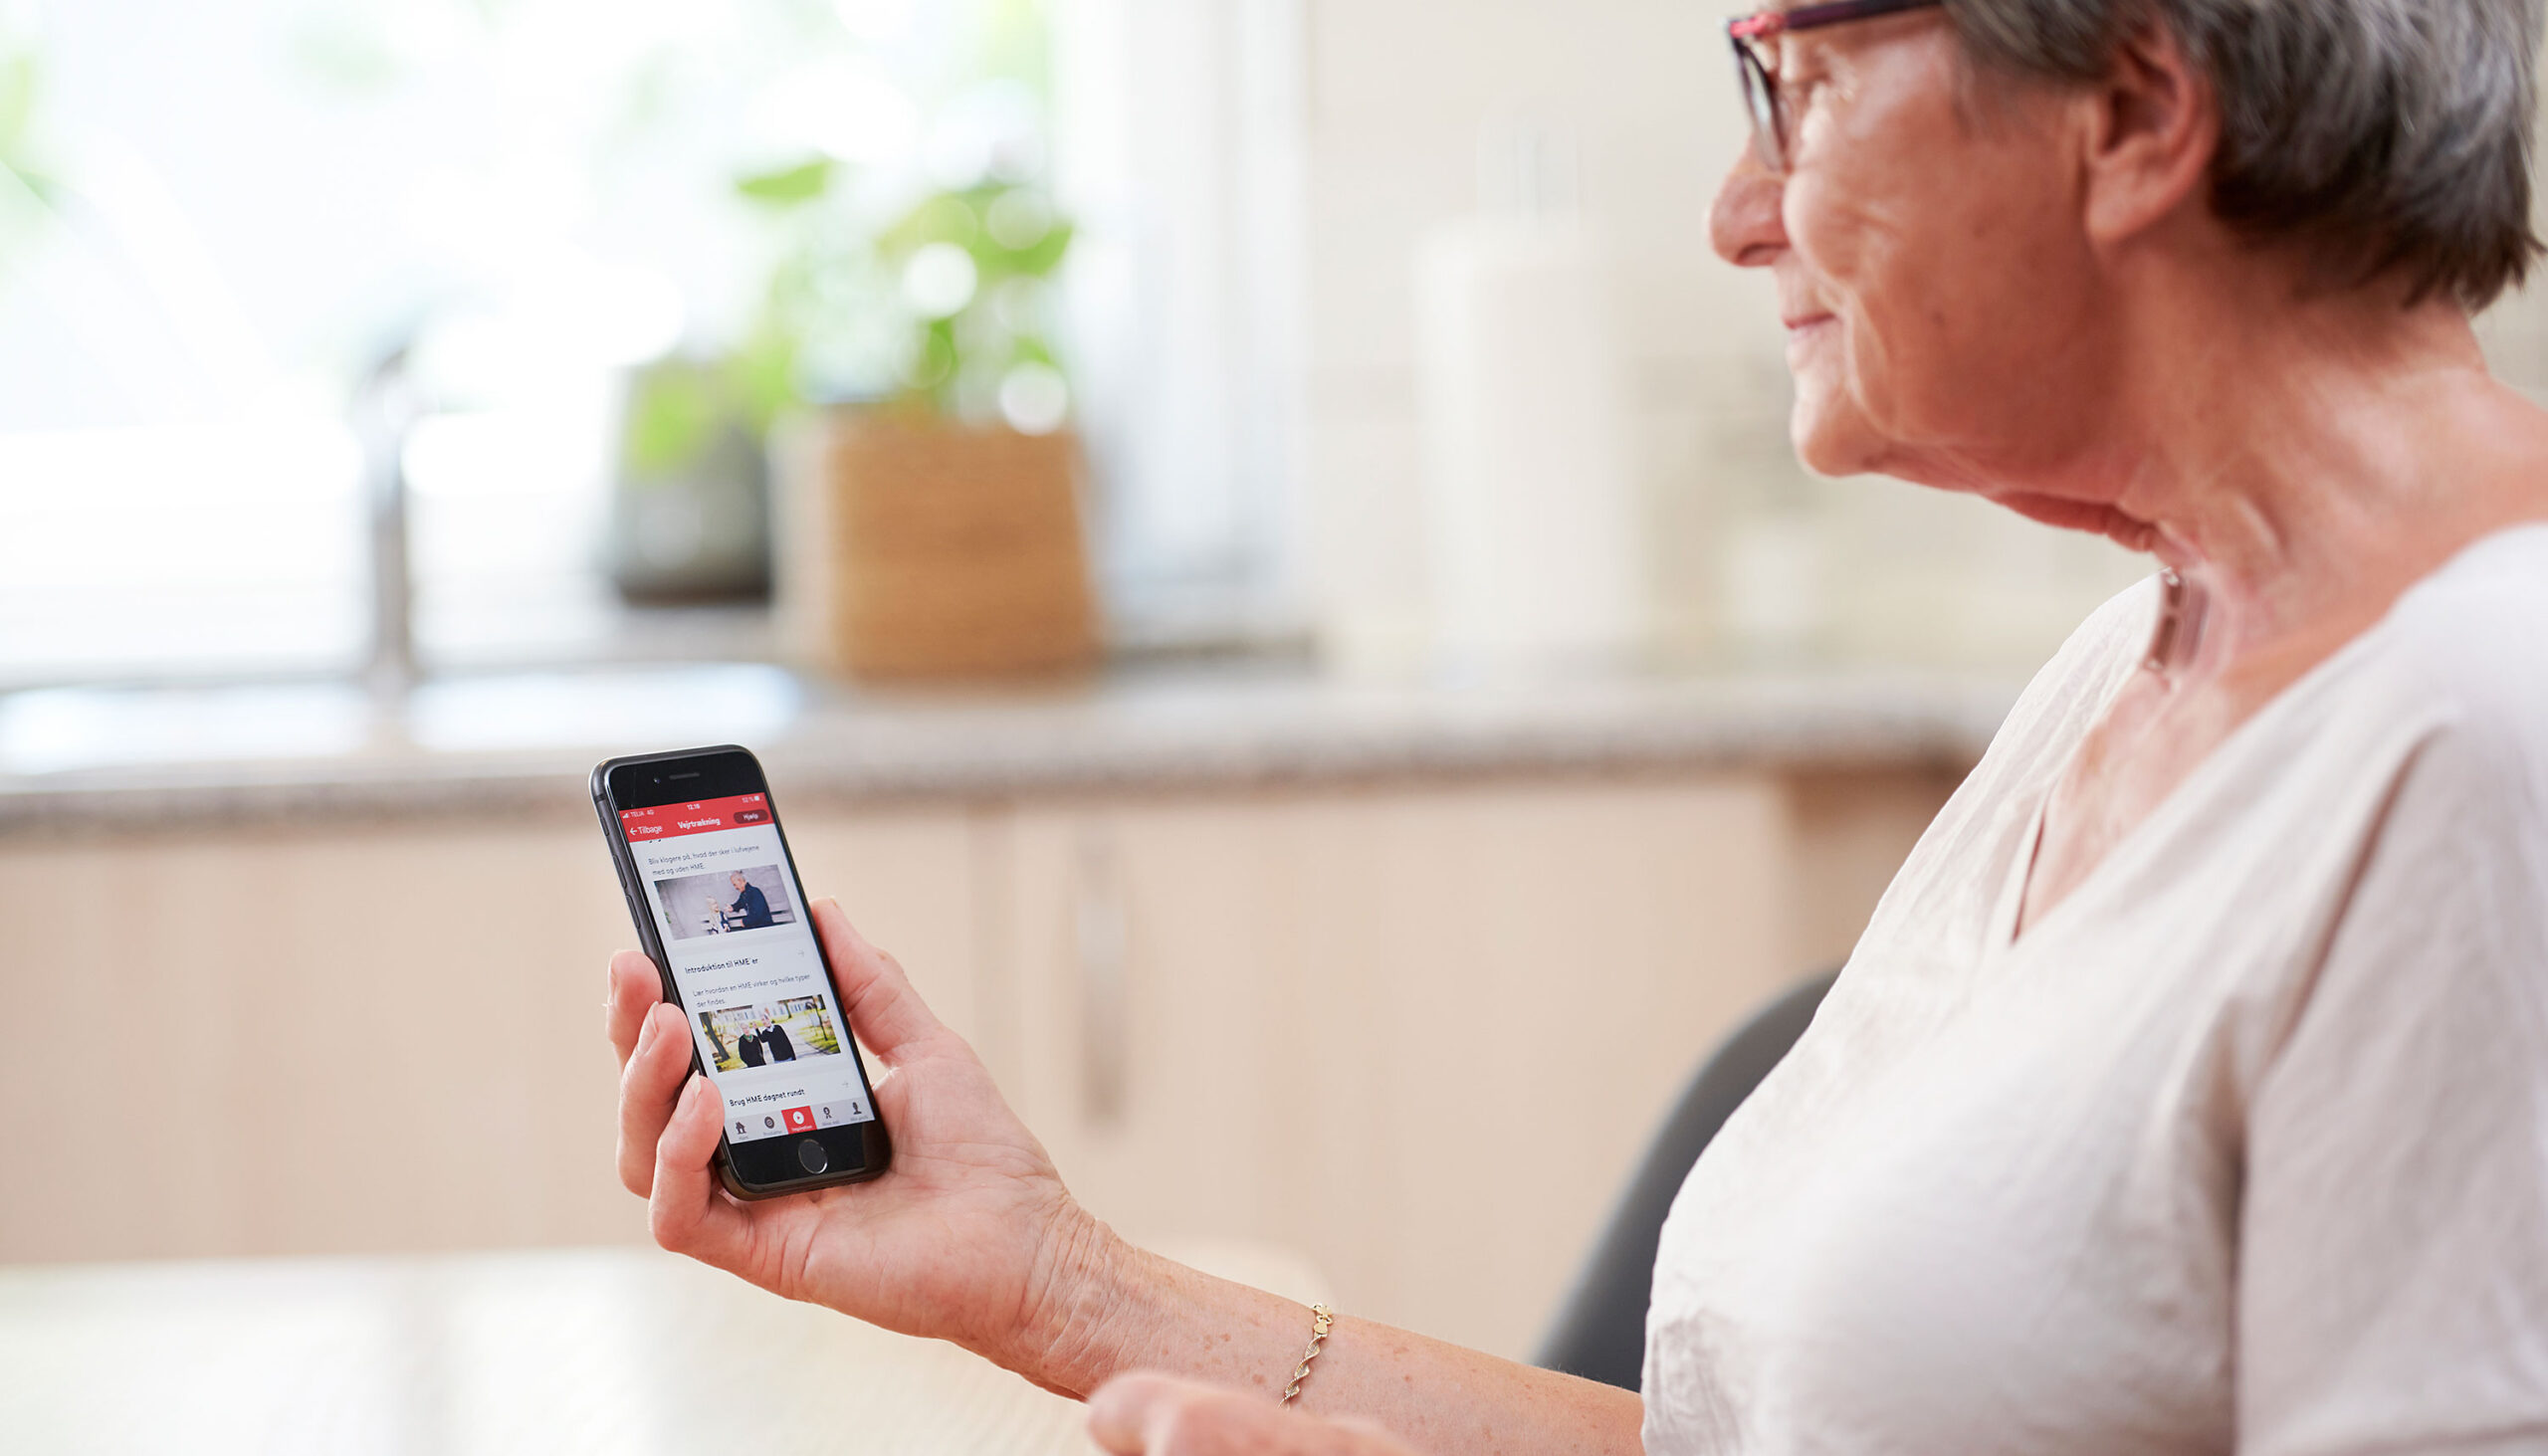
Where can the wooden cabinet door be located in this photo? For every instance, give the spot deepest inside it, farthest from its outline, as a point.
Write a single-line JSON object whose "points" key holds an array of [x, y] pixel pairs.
{"points": [[1420, 1034], [352, 1041]]}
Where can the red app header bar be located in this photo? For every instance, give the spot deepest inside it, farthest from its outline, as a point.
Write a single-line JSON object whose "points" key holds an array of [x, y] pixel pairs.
{"points": [[705, 817]]}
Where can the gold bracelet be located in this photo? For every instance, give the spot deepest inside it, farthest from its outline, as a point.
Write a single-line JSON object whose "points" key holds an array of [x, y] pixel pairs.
{"points": [[1322, 1320]]}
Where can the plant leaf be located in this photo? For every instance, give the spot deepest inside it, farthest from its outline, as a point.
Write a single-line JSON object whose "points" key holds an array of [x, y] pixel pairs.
{"points": [[673, 410], [1046, 253], [789, 186], [17, 101], [948, 217]]}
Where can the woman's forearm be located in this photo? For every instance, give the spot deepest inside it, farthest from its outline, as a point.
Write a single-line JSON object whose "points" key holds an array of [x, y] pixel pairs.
{"points": [[1127, 1310]]}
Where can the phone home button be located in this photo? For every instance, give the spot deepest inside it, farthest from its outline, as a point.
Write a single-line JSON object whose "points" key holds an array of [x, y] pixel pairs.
{"points": [[812, 1157]]}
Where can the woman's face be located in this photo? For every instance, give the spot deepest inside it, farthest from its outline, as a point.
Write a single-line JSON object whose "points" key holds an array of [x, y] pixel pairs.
{"points": [[1932, 271]]}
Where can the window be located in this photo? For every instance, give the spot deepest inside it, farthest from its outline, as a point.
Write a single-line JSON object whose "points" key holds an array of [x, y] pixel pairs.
{"points": [[219, 219]]}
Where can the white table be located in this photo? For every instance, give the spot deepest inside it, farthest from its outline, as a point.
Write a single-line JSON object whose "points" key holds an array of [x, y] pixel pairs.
{"points": [[628, 1352]]}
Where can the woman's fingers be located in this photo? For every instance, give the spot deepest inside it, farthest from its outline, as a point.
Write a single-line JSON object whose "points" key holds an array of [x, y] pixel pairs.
{"points": [[687, 1212], [884, 1009], [649, 1078], [635, 989], [1152, 1415]]}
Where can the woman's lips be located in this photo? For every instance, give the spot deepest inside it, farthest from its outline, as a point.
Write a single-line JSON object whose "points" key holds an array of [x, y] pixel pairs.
{"points": [[1804, 330]]}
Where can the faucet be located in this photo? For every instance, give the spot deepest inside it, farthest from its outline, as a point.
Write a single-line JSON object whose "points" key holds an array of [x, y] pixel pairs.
{"points": [[386, 411]]}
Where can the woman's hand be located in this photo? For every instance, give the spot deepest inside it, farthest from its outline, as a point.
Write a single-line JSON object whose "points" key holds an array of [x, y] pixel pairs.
{"points": [[971, 1237], [1152, 1415]]}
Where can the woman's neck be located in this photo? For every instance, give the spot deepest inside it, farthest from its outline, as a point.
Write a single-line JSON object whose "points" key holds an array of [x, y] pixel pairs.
{"points": [[2299, 468]]}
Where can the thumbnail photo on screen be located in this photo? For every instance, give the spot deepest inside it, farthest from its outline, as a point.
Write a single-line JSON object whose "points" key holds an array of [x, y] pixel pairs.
{"points": [[762, 1035], [724, 901]]}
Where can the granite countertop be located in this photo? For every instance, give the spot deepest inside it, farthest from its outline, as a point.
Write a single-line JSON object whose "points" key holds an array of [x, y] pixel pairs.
{"points": [[97, 759]]}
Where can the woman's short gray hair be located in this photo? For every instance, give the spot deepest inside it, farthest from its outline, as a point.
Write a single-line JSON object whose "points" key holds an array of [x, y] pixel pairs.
{"points": [[2385, 137]]}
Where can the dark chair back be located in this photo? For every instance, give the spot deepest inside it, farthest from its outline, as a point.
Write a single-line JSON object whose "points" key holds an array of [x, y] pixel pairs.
{"points": [[1601, 1329]]}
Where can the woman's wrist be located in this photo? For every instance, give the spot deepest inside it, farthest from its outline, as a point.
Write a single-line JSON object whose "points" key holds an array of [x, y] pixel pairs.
{"points": [[1071, 1336]]}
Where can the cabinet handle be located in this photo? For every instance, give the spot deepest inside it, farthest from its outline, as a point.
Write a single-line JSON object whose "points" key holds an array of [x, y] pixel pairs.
{"points": [[1104, 1009]]}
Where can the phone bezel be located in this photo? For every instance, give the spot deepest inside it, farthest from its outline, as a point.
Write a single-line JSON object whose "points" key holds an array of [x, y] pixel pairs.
{"points": [[761, 1167]]}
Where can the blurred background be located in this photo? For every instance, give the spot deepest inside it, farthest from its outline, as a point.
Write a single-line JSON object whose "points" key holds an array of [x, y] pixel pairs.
{"points": [[1247, 253], [1254, 537]]}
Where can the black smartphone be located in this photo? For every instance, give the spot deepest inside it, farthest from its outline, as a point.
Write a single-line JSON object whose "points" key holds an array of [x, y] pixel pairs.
{"points": [[719, 908]]}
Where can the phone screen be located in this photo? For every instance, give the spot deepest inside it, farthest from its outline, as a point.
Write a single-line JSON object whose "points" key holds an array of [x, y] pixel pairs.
{"points": [[740, 942]]}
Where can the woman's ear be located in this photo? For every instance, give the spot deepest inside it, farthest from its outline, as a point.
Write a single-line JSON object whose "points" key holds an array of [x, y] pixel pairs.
{"points": [[2153, 125]]}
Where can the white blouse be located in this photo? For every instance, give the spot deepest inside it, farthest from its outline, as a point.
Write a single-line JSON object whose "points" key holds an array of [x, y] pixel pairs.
{"points": [[2242, 1146]]}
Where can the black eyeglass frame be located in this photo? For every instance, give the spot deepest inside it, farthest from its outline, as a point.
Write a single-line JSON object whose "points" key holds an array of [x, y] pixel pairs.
{"points": [[1761, 79]]}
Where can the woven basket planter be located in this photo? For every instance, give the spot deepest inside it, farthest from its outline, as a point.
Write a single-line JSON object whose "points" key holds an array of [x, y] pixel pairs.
{"points": [[917, 548]]}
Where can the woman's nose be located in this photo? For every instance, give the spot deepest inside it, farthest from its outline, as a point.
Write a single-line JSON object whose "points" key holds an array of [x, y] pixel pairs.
{"points": [[1744, 223]]}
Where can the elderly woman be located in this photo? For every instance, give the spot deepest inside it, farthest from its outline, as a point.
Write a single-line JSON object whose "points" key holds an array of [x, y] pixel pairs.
{"points": [[2189, 1090]]}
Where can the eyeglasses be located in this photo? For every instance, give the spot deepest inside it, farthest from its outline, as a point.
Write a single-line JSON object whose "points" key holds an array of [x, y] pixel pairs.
{"points": [[1758, 65]]}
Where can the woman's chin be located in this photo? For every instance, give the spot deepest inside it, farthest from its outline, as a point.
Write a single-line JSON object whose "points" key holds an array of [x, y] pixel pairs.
{"points": [[1830, 442]]}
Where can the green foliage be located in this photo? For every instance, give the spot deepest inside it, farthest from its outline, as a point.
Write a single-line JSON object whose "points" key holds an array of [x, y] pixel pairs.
{"points": [[674, 409], [838, 319], [17, 101], [788, 186], [839, 313], [27, 191], [677, 408], [964, 219], [1016, 41], [761, 377]]}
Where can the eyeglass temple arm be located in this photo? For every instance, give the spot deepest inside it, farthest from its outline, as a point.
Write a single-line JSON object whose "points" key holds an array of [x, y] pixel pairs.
{"points": [[1766, 23]]}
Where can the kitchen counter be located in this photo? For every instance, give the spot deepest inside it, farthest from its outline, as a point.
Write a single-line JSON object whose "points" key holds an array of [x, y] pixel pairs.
{"points": [[92, 760]]}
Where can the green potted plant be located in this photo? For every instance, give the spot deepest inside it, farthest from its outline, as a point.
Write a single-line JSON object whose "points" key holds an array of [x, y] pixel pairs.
{"points": [[933, 493]]}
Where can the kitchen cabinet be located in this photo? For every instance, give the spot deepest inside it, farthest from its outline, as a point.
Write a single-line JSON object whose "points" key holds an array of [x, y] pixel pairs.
{"points": [[1419, 1035], [1417, 1031]]}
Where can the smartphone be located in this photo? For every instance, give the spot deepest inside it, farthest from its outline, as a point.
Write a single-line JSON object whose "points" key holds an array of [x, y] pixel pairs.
{"points": [[720, 910]]}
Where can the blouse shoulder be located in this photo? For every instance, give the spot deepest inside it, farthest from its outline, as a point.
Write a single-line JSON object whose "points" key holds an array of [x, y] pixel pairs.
{"points": [[2064, 697], [2471, 642], [2390, 1292]]}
